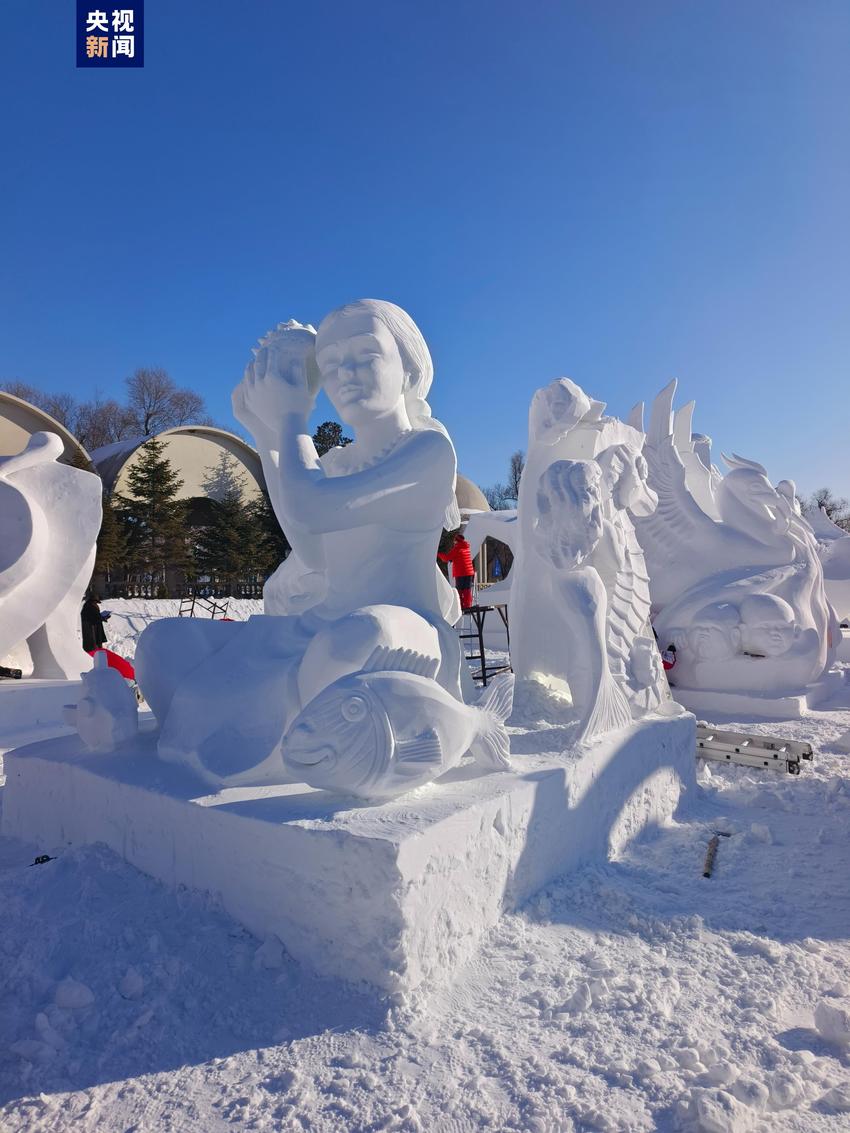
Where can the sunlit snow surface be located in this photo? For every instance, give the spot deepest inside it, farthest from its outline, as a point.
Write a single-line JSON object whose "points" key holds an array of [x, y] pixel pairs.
{"points": [[636, 997]]}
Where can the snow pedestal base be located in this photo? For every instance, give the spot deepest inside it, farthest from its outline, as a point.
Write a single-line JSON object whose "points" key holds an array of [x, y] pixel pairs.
{"points": [[396, 895], [31, 704], [739, 705]]}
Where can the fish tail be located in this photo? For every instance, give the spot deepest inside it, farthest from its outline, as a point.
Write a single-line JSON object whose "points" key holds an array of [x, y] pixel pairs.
{"points": [[492, 746], [609, 712]]}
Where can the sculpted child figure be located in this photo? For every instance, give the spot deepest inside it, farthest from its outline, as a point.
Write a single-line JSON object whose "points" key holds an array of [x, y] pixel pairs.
{"points": [[568, 532], [364, 522]]}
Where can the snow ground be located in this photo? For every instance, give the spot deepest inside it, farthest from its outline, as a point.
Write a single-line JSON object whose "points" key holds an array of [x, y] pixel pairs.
{"points": [[634, 997], [129, 616]]}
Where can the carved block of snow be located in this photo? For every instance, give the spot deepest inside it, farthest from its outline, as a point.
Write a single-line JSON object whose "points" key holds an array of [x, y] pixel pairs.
{"points": [[298, 692], [579, 595], [107, 714], [49, 520], [736, 581], [395, 896], [33, 706]]}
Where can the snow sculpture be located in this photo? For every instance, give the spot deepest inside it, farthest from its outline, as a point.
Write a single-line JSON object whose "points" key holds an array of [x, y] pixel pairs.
{"points": [[107, 713], [579, 591], [49, 521], [360, 594], [833, 544], [390, 727], [737, 585]]}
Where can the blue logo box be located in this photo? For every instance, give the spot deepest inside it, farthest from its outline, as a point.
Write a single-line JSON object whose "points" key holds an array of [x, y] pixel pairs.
{"points": [[110, 36]]}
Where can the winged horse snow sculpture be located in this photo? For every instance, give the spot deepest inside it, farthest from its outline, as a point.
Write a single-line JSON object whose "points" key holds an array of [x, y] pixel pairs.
{"points": [[738, 588]]}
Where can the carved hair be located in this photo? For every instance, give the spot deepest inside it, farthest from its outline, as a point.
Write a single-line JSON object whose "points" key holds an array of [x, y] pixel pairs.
{"points": [[539, 411], [564, 535], [418, 368]]}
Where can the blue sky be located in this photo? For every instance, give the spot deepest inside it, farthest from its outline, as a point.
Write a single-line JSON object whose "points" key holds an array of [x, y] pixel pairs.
{"points": [[620, 192]]}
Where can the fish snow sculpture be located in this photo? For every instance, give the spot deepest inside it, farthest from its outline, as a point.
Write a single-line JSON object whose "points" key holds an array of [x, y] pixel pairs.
{"points": [[389, 728], [736, 582]]}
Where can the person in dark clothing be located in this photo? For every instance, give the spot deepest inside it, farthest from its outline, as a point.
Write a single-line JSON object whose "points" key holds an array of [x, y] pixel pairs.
{"points": [[94, 635], [463, 571]]}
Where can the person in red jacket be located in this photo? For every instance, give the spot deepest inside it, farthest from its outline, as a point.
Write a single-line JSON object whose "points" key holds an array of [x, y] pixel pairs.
{"points": [[463, 571]]}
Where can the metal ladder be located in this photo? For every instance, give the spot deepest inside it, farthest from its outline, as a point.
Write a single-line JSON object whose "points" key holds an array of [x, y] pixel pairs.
{"points": [[751, 751]]}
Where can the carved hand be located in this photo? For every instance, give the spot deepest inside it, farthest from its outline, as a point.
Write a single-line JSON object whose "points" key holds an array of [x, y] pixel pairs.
{"points": [[283, 378]]}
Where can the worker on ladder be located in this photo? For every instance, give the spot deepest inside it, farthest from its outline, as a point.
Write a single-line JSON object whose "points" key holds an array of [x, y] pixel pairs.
{"points": [[463, 571]]}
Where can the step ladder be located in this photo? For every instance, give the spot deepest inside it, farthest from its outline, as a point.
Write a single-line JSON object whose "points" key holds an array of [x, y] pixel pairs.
{"points": [[751, 751], [194, 606]]}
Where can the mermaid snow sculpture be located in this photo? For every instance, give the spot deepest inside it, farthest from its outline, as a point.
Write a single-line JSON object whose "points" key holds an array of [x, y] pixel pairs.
{"points": [[579, 591], [736, 582], [361, 593], [49, 519]]}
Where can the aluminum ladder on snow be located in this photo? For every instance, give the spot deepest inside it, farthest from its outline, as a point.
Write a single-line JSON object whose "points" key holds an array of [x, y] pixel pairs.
{"points": [[751, 751]]}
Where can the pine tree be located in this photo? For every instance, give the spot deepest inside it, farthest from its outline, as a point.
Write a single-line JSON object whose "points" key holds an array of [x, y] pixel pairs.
{"points": [[153, 519], [329, 435], [270, 545], [111, 541], [225, 547], [241, 541]]}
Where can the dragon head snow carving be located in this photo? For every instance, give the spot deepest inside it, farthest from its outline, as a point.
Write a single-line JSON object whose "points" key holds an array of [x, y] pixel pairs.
{"points": [[735, 578]]}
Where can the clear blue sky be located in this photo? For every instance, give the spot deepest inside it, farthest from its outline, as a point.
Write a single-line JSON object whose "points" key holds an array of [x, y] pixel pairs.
{"points": [[621, 192]]}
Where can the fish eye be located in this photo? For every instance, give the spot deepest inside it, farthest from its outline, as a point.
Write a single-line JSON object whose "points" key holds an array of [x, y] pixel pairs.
{"points": [[354, 708]]}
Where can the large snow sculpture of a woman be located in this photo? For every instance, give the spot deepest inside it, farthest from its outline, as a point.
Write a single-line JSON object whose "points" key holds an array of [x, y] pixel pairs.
{"points": [[364, 522]]}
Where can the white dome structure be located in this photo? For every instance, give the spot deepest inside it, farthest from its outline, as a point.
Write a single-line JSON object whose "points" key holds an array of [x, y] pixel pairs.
{"points": [[194, 451], [19, 420]]}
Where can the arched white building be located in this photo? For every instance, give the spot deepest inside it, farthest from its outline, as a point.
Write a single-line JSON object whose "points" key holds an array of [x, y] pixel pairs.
{"points": [[194, 451], [19, 420]]}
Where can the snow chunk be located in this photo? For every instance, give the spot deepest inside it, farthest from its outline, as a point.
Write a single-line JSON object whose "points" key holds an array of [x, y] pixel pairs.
{"points": [[132, 985], [713, 1111], [832, 1019], [71, 994]]}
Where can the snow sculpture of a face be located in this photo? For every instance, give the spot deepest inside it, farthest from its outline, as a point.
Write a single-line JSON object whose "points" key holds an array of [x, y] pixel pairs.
{"points": [[361, 367], [714, 636], [625, 472], [645, 667], [768, 628], [555, 409], [569, 506]]}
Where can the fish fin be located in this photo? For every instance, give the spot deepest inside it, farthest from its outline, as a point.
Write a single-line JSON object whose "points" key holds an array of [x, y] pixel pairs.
{"points": [[492, 747], [416, 755], [386, 660], [498, 697]]}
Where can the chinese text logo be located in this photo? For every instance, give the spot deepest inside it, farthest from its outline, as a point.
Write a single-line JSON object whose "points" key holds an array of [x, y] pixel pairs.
{"points": [[111, 37]]}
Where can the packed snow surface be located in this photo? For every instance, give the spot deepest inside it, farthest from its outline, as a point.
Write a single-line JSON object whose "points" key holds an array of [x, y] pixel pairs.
{"points": [[130, 616], [630, 997]]}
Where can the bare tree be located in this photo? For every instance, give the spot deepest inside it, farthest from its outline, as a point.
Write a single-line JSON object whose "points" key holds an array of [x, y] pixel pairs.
{"points": [[60, 406], [98, 423], [515, 474], [497, 496], [837, 508], [156, 403]]}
